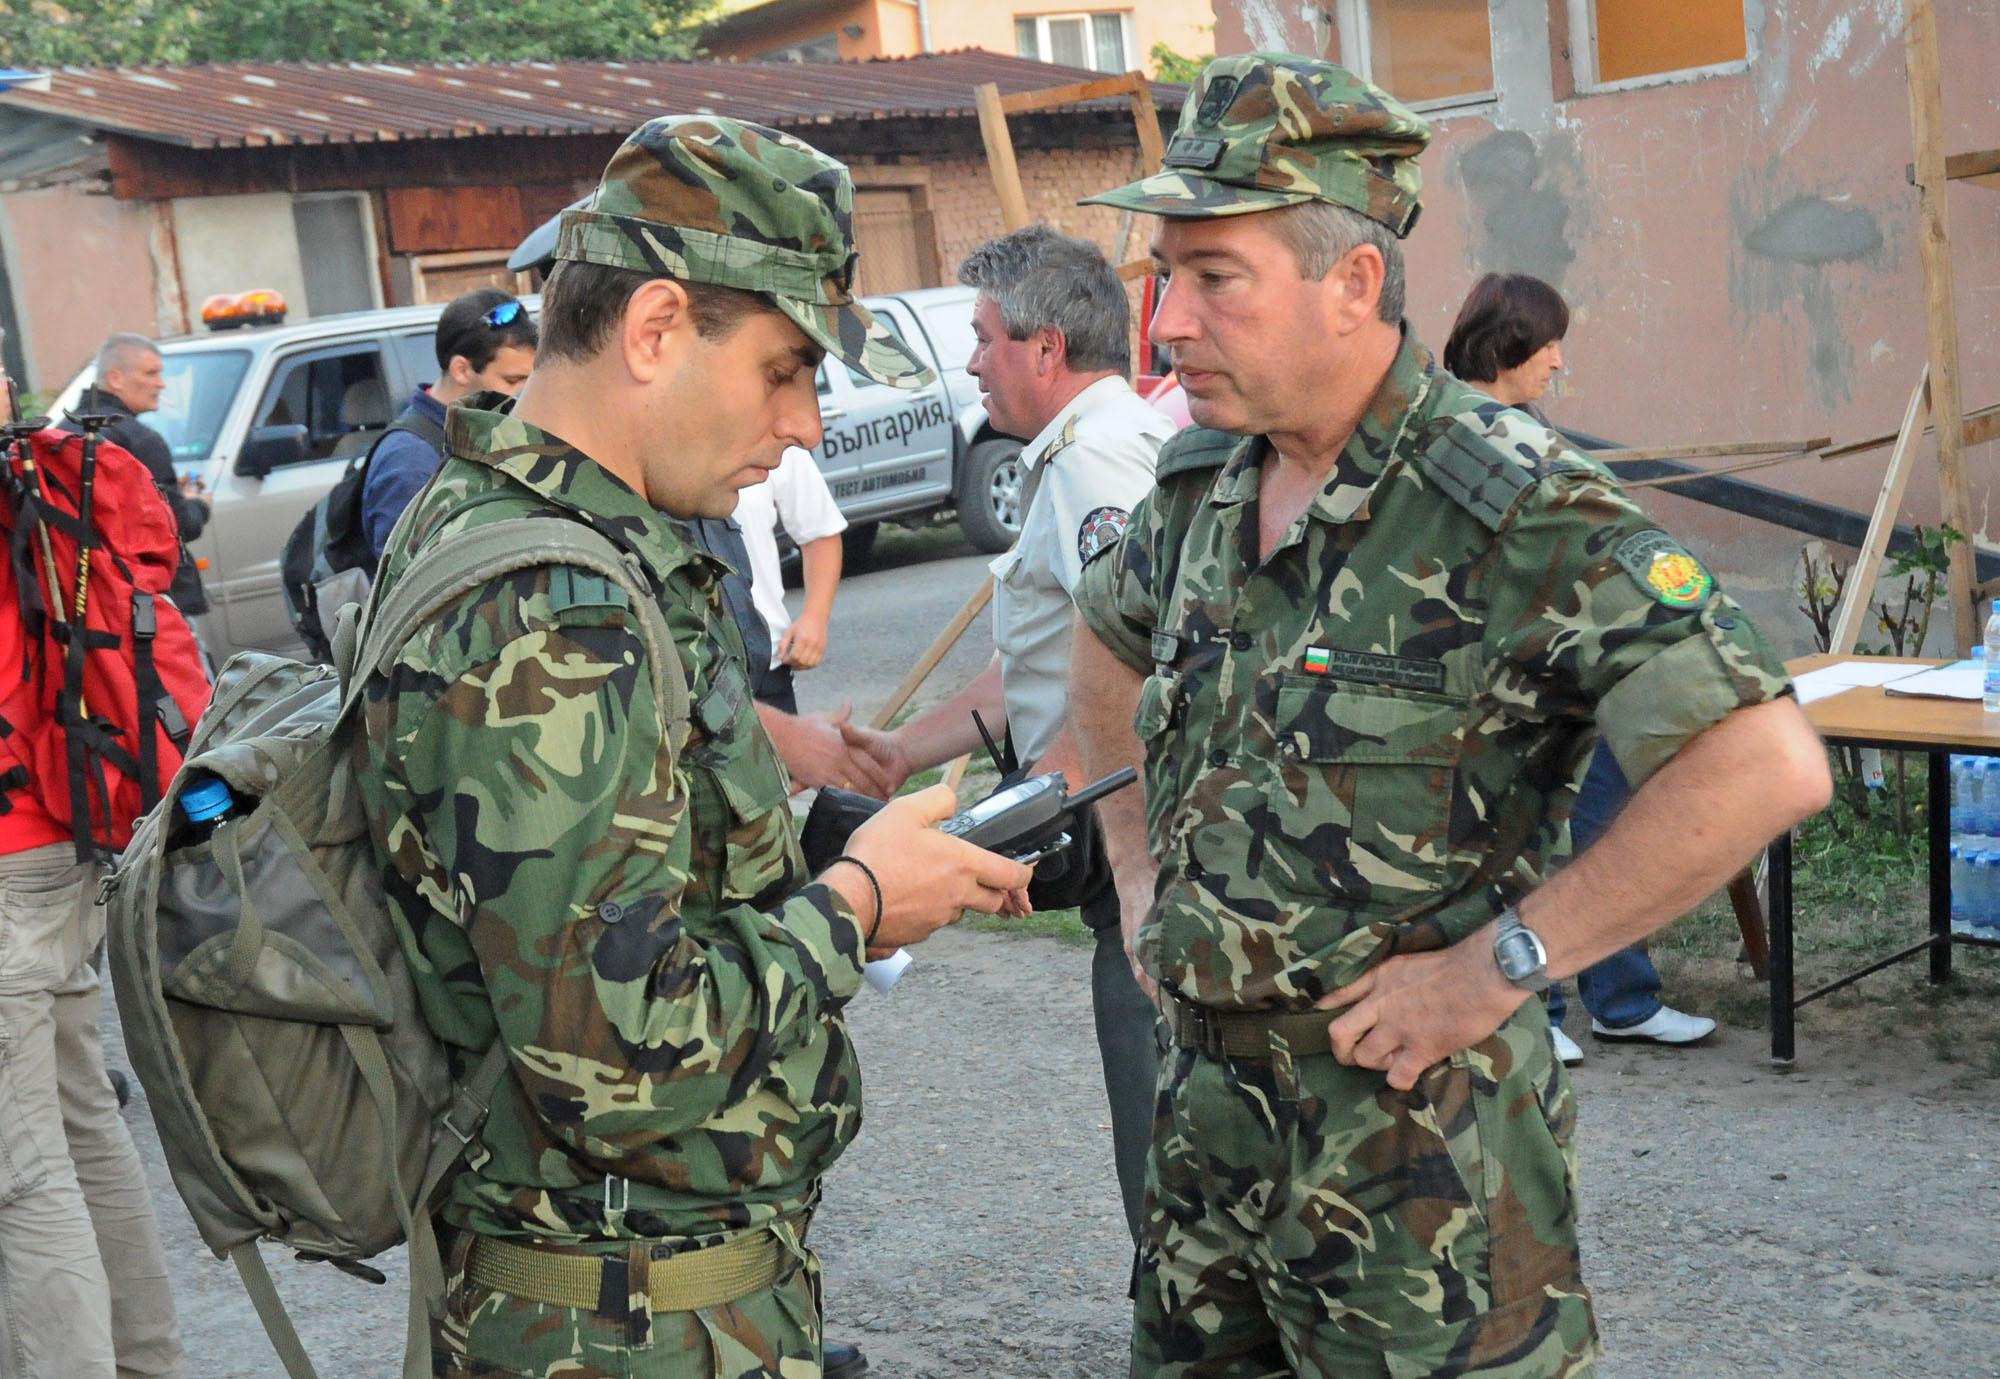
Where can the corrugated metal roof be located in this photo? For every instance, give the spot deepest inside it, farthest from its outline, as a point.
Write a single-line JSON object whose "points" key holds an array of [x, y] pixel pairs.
{"points": [[261, 104]]}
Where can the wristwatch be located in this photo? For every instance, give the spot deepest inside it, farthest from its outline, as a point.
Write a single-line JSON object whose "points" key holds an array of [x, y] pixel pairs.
{"points": [[1519, 954]]}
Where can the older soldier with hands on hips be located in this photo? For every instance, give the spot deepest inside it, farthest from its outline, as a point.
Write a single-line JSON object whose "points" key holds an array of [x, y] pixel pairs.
{"points": [[1359, 635], [615, 895]]}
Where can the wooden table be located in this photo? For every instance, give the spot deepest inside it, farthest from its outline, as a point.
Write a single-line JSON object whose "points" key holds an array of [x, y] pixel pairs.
{"points": [[1869, 717]]}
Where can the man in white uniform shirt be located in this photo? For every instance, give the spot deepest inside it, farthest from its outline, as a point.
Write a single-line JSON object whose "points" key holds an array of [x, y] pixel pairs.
{"points": [[796, 493], [1054, 347]]}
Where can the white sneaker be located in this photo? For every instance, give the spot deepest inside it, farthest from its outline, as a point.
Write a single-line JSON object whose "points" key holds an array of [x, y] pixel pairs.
{"points": [[1667, 1026], [1567, 1049]]}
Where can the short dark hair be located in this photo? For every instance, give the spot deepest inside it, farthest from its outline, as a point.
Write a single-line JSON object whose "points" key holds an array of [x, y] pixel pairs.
{"points": [[582, 304], [1505, 319], [462, 330]]}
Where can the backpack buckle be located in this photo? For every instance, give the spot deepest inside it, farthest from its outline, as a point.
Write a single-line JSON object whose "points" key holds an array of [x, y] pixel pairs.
{"points": [[106, 885], [462, 1102], [617, 1200]]}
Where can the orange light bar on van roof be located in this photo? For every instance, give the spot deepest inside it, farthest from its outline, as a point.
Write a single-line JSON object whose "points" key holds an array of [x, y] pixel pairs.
{"points": [[228, 310]]}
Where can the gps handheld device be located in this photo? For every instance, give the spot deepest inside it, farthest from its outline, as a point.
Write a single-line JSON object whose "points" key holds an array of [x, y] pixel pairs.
{"points": [[1027, 822]]}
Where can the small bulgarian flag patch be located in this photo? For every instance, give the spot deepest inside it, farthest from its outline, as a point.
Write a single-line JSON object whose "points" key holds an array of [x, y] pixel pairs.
{"points": [[1318, 660]]}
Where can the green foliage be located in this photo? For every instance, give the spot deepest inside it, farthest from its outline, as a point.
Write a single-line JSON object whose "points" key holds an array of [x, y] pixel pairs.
{"points": [[1169, 65], [1923, 567], [101, 33], [1857, 859]]}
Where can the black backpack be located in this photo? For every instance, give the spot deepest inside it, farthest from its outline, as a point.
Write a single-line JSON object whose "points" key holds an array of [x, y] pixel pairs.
{"points": [[327, 562]]}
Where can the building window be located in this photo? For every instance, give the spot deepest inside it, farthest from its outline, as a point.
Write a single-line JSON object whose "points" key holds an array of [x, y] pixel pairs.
{"points": [[1628, 41], [336, 237], [1422, 52], [1099, 42]]}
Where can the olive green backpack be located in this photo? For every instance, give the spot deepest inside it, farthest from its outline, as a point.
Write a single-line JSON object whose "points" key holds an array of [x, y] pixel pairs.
{"points": [[267, 1010]]}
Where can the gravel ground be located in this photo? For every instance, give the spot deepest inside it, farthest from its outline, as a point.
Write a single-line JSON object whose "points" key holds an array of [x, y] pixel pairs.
{"points": [[1834, 1223]]}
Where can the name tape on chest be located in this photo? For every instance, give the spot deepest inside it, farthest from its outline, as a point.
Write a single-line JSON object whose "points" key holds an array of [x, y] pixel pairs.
{"points": [[1368, 668]]}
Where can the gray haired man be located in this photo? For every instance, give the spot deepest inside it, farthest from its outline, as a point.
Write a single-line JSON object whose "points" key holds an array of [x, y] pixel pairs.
{"points": [[130, 378], [1054, 347]]}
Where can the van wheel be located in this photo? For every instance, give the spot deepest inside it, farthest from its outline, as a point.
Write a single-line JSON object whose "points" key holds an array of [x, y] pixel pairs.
{"points": [[990, 494], [857, 543]]}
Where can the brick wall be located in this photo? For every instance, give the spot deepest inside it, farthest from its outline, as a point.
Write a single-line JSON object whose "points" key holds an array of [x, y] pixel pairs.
{"points": [[967, 209]]}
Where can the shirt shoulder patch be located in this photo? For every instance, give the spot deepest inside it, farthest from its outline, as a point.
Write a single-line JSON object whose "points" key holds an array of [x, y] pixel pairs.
{"points": [[1101, 529], [1665, 569]]}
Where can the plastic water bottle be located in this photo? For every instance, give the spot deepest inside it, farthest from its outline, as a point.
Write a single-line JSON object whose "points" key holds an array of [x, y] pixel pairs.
{"points": [[1967, 798], [1961, 886], [1992, 640], [207, 804], [1982, 793], [1983, 905]]}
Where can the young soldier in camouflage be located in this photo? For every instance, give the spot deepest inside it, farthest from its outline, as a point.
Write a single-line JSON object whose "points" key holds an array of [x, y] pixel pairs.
{"points": [[1366, 628], [626, 910]]}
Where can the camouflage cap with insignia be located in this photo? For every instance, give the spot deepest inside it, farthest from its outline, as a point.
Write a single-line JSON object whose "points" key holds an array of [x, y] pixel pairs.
{"points": [[1263, 130], [713, 200]]}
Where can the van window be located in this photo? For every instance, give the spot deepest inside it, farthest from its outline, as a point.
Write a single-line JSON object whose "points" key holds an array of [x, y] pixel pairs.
{"points": [[417, 353], [200, 386], [340, 396], [950, 328]]}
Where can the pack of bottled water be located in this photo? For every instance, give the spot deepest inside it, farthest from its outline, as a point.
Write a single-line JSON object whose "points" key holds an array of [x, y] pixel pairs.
{"points": [[1975, 845]]}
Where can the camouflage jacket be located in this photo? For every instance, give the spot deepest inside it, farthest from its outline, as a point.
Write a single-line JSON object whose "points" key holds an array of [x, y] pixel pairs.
{"points": [[628, 913], [1365, 745]]}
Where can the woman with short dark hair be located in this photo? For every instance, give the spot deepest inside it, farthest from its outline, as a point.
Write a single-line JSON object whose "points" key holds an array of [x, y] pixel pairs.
{"points": [[1508, 337], [1508, 341]]}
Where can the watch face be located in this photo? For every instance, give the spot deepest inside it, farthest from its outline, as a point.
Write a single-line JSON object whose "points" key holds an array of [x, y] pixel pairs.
{"points": [[1517, 956]]}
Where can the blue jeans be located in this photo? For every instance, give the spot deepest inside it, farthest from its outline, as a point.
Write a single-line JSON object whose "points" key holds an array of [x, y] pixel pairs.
{"points": [[1624, 989]]}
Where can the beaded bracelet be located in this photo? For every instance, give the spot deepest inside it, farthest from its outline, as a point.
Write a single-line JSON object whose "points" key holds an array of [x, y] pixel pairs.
{"points": [[875, 886]]}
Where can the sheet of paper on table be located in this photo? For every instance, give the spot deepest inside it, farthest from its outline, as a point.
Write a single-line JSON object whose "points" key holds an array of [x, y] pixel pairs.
{"points": [[1959, 680], [1841, 676]]}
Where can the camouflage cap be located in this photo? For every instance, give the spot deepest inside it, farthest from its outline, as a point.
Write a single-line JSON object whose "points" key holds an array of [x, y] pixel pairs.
{"points": [[712, 200], [1263, 130]]}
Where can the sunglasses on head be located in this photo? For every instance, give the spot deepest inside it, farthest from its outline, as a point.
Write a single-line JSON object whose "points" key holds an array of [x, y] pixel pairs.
{"points": [[504, 314]]}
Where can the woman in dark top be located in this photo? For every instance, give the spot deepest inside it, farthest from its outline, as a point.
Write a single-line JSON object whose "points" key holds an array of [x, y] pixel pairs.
{"points": [[1508, 338], [1508, 341]]}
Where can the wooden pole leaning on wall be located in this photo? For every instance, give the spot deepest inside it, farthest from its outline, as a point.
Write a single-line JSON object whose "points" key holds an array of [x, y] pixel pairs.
{"points": [[994, 109], [1859, 592], [1940, 312], [1000, 157]]}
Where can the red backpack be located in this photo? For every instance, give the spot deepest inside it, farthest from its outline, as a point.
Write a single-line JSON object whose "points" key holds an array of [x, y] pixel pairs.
{"points": [[93, 725]]}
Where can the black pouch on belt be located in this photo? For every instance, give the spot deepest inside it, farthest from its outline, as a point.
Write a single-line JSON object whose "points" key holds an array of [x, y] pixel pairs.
{"points": [[1066, 879], [830, 822]]}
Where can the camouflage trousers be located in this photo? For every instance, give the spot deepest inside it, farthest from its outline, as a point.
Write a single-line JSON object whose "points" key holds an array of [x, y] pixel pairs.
{"points": [[771, 1334], [1305, 1218]]}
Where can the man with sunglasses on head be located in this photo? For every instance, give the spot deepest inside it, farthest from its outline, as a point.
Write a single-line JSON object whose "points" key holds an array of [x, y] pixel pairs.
{"points": [[485, 343]]}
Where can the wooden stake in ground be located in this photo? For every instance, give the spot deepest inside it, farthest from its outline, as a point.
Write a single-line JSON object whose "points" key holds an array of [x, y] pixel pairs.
{"points": [[1940, 312], [1860, 591]]}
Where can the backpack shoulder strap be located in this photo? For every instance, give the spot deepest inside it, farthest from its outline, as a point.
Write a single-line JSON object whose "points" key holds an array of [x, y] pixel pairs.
{"points": [[417, 423], [447, 570]]}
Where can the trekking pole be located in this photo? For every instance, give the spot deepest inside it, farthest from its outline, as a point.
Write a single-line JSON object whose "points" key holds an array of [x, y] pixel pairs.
{"points": [[19, 433], [79, 629]]}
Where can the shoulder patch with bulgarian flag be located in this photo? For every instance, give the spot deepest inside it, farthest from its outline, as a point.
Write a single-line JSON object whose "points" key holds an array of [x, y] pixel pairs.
{"points": [[1665, 569]]}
